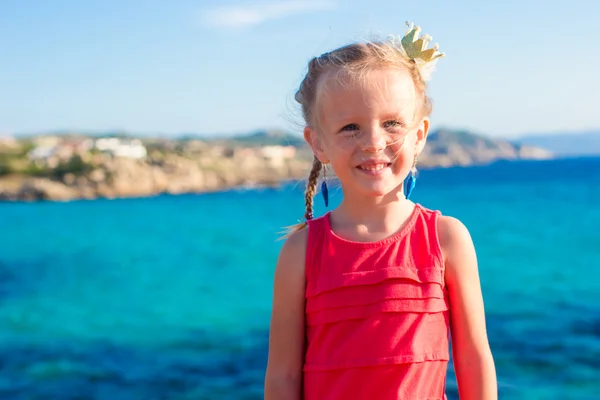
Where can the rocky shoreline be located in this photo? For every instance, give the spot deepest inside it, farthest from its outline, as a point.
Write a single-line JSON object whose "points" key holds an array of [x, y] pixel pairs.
{"points": [[194, 166], [125, 178]]}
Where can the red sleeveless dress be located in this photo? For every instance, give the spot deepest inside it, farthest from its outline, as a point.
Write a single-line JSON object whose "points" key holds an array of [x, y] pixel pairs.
{"points": [[377, 314]]}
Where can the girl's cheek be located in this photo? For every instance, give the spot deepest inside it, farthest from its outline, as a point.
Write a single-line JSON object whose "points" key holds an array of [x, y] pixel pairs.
{"points": [[345, 142], [399, 147]]}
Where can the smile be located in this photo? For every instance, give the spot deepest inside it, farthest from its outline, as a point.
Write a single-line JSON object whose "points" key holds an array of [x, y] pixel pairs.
{"points": [[374, 168]]}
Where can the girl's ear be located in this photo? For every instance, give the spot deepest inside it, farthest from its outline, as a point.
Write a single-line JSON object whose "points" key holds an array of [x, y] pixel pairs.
{"points": [[311, 137], [422, 133]]}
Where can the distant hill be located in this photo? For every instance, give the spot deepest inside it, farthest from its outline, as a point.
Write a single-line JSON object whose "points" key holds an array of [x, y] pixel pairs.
{"points": [[446, 147], [566, 144]]}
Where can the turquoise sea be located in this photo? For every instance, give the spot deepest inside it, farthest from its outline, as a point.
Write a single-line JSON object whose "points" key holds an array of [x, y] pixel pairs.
{"points": [[169, 297]]}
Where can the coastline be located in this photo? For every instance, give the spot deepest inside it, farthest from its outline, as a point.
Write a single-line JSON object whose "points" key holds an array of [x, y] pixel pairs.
{"points": [[32, 189], [76, 167]]}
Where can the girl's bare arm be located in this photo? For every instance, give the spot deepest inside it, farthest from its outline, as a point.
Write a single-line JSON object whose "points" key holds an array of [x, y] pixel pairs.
{"points": [[283, 379], [473, 362]]}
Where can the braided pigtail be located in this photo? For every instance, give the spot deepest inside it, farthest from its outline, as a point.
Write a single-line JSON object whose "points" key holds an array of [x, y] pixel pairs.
{"points": [[309, 195], [311, 188]]}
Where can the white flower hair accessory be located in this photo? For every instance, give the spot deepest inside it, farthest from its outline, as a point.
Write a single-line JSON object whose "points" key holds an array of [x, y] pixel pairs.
{"points": [[415, 48]]}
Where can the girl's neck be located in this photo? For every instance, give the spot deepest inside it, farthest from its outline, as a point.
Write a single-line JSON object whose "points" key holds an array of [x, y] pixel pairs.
{"points": [[376, 215]]}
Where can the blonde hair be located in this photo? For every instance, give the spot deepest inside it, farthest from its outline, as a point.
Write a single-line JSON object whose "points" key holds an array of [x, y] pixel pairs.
{"points": [[356, 60]]}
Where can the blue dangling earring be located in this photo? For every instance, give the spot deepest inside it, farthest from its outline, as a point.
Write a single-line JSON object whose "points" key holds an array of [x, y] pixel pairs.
{"points": [[324, 190], [411, 181]]}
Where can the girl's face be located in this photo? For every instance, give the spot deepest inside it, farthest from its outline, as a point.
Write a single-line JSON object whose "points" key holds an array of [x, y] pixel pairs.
{"points": [[367, 130]]}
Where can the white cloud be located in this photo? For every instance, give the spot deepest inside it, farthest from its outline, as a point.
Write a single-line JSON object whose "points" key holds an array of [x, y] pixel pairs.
{"points": [[249, 14]]}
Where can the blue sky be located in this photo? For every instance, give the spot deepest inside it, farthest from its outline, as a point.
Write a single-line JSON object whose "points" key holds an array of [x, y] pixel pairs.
{"points": [[225, 67]]}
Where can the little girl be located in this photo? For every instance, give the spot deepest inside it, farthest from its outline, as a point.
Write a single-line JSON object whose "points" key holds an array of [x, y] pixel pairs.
{"points": [[367, 297]]}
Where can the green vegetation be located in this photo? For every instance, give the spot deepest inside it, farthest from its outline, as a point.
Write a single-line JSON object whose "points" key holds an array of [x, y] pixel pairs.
{"points": [[5, 169], [13, 159], [75, 165]]}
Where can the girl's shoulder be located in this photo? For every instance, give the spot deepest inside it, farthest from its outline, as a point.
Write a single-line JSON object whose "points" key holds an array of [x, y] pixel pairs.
{"points": [[294, 247], [289, 276], [452, 231], [456, 244]]}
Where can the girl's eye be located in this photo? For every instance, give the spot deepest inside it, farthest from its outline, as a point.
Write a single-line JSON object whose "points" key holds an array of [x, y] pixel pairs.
{"points": [[394, 124], [349, 128]]}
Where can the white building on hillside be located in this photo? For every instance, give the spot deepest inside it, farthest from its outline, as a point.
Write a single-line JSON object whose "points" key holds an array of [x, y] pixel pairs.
{"points": [[122, 148]]}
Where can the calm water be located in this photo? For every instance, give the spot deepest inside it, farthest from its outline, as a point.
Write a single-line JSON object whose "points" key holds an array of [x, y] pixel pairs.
{"points": [[169, 297]]}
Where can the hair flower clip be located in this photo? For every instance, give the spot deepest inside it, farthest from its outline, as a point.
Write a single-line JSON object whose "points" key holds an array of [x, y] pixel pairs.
{"points": [[415, 48]]}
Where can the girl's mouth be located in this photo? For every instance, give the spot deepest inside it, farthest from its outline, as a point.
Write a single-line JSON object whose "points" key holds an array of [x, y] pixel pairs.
{"points": [[374, 168]]}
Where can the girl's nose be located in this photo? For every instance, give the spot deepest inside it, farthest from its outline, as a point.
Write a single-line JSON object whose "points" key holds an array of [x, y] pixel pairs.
{"points": [[374, 140]]}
